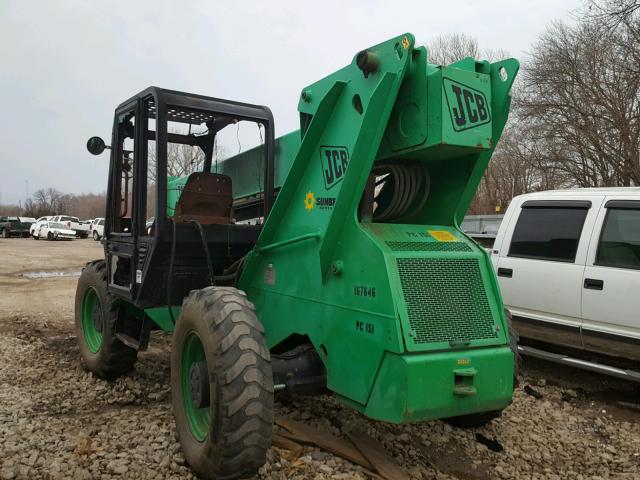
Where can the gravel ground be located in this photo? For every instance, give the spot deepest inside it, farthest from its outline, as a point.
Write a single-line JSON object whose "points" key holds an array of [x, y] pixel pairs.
{"points": [[58, 421]]}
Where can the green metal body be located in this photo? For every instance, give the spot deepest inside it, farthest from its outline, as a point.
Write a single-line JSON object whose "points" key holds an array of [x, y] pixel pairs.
{"points": [[406, 316]]}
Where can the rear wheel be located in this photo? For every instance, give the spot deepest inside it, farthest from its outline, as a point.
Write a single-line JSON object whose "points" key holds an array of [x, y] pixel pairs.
{"points": [[222, 385], [482, 418], [96, 314]]}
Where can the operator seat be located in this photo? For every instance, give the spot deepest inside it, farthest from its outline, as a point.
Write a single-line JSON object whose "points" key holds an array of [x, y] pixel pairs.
{"points": [[207, 198]]}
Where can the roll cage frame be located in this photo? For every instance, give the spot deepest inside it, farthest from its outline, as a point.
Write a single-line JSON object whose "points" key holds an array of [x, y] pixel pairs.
{"points": [[127, 244]]}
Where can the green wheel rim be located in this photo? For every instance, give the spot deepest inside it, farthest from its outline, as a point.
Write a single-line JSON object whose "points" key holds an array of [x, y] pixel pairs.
{"points": [[90, 308], [199, 418]]}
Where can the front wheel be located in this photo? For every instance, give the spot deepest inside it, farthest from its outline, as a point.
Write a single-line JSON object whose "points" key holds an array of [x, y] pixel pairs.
{"points": [[96, 237], [5, 234], [222, 385], [96, 314]]}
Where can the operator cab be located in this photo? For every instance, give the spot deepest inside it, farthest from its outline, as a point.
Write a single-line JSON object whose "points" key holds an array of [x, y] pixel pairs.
{"points": [[181, 211]]}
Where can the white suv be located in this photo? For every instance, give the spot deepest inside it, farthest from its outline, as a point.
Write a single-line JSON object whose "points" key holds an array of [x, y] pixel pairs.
{"points": [[97, 228], [568, 264]]}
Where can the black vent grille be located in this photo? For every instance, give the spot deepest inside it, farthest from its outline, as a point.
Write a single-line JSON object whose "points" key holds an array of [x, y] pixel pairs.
{"points": [[446, 300], [429, 246]]}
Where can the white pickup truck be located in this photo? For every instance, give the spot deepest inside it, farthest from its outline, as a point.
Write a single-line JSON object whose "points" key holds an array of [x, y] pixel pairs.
{"points": [[72, 223], [568, 264]]}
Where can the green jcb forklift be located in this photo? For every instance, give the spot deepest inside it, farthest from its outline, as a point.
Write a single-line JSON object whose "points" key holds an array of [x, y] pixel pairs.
{"points": [[329, 259]]}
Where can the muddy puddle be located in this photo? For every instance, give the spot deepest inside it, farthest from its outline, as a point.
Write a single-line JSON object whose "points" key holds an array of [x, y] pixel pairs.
{"points": [[50, 274]]}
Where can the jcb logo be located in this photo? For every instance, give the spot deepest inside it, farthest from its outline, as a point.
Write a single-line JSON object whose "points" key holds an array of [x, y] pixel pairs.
{"points": [[334, 164], [468, 107]]}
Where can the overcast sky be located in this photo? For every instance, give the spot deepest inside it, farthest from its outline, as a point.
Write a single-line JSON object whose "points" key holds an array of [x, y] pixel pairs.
{"points": [[66, 64]]}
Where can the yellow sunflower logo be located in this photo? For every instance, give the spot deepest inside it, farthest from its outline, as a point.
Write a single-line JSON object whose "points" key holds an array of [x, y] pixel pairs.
{"points": [[309, 201]]}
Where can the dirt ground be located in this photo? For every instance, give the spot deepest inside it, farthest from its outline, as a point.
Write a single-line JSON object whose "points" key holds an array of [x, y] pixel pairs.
{"points": [[58, 421]]}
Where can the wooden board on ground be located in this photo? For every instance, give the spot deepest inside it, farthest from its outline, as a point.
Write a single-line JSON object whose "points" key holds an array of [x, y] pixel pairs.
{"points": [[375, 453], [288, 444], [300, 432]]}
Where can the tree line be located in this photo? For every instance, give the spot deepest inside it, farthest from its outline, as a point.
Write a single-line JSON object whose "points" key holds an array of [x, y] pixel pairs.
{"points": [[574, 122], [49, 201], [575, 118]]}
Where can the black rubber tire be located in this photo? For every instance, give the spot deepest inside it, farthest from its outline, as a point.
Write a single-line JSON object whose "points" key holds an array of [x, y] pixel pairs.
{"points": [[5, 234], [113, 358], [49, 236], [241, 384], [35, 237], [96, 237], [479, 419]]}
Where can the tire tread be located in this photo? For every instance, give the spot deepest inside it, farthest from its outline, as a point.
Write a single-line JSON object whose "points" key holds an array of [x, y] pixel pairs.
{"points": [[115, 358], [244, 379]]}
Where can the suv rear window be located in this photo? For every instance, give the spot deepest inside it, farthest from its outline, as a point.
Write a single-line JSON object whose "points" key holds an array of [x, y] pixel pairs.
{"points": [[620, 239], [548, 233], [69, 219]]}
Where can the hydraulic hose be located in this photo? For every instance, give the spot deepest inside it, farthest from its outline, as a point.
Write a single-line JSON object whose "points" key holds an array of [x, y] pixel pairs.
{"points": [[401, 189], [212, 278], [232, 273]]}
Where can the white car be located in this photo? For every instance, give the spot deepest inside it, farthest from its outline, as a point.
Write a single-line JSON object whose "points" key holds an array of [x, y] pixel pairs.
{"points": [[55, 231], [97, 228], [568, 264], [37, 224]]}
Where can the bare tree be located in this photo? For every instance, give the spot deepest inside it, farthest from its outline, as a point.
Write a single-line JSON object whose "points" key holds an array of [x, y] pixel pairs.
{"points": [[613, 12], [12, 210], [449, 48], [87, 205], [581, 102], [181, 160], [619, 15], [50, 201], [510, 171]]}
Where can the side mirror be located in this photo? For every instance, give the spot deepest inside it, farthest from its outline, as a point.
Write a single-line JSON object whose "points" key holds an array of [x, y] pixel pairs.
{"points": [[96, 145]]}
